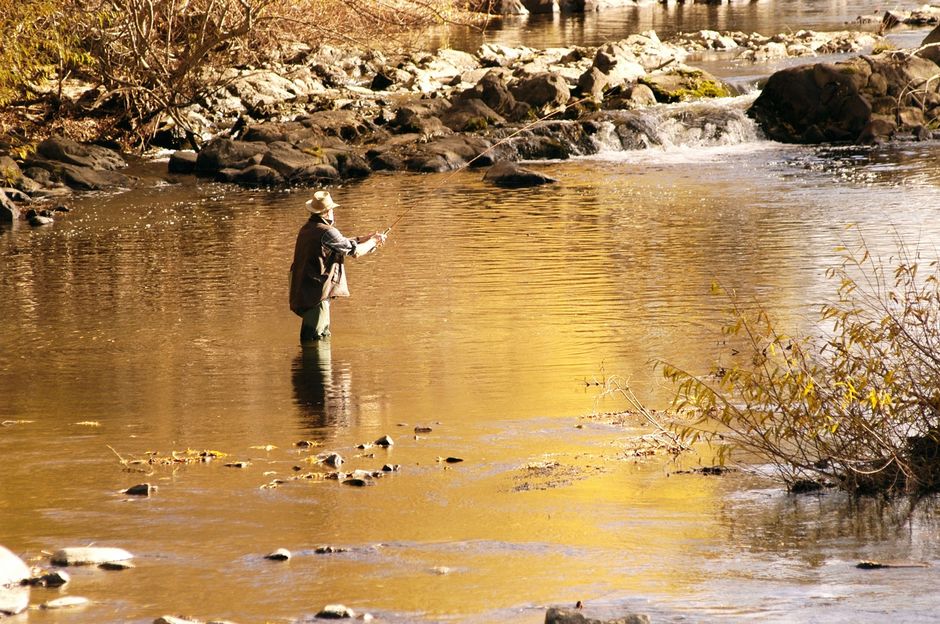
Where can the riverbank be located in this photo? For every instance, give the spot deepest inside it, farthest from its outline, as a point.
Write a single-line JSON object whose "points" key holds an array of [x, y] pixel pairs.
{"points": [[330, 115]]}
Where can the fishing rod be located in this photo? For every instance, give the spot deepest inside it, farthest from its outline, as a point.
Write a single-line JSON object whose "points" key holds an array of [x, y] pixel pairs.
{"points": [[481, 154]]}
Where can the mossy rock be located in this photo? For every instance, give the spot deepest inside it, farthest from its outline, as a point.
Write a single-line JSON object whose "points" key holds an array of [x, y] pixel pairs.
{"points": [[682, 85]]}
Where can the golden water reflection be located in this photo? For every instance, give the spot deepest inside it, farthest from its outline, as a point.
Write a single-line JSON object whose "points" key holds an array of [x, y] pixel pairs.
{"points": [[161, 315]]}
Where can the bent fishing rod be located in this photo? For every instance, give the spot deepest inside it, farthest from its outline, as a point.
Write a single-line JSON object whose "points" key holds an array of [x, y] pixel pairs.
{"points": [[490, 148]]}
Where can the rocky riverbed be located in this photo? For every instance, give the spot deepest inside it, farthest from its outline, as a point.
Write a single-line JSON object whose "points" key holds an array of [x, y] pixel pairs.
{"points": [[327, 115]]}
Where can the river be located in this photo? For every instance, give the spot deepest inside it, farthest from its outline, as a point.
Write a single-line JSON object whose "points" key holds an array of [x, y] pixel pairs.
{"points": [[155, 320]]}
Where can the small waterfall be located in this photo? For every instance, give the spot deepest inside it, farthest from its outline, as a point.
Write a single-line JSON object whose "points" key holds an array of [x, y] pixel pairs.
{"points": [[706, 123]]}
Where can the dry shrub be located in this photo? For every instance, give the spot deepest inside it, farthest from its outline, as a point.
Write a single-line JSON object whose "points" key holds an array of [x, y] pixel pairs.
{"points": [[857, 405]]}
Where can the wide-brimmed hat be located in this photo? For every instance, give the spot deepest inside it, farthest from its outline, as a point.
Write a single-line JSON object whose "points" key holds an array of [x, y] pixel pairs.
{"points": [[321, 203]]}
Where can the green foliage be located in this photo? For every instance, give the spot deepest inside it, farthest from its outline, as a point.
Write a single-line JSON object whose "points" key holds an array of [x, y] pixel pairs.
{"points": [[857, 405], [40, 43]]}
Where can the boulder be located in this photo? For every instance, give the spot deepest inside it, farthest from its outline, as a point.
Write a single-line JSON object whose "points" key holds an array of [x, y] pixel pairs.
{"points": [[344, 124], [448, 154], [492, 91], [471, 115], [930, 46], [224, 153], [863, 100], [510, 175], [183, 161], [618, 64], [683, 84], [79, 154], [419, 118], [89, 555], [544, 90], [287, 160], [82, 178], [254, 176]]}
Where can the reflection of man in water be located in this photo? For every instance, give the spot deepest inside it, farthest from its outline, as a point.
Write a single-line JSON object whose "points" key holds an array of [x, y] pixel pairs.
{"points": [[317, 273], [322, 391]]}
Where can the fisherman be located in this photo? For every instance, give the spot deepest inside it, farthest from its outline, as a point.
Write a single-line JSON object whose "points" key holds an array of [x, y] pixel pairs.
{"points": [[317, 273]]}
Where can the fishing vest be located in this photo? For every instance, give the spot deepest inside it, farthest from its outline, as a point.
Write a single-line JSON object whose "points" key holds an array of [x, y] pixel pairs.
{"points": [[318, 272]]}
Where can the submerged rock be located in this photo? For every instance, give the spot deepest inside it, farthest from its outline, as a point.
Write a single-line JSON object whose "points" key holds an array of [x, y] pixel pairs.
{"points": [[56, 578], [65, 602], [89, 555]]}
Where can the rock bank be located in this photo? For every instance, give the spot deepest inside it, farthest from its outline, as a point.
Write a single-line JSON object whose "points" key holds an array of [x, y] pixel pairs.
{"points": [[330, 115]]}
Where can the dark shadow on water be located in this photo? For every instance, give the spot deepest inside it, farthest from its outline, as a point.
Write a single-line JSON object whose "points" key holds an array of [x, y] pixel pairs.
{"points": [[322, 388]]}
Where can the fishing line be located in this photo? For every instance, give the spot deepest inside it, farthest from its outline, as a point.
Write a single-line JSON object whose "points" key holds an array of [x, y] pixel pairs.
{"points": [[481, 154]]}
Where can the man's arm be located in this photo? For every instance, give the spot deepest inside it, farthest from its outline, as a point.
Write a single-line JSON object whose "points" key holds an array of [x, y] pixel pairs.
{"points": [[354, 247]]}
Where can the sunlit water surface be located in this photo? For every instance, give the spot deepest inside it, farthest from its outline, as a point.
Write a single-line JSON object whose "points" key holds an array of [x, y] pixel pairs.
{"points": [[159, 316]]}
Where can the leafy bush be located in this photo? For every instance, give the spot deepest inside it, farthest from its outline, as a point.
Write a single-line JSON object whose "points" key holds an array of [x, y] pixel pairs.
{"points": [[857, 405], [39, 43]]}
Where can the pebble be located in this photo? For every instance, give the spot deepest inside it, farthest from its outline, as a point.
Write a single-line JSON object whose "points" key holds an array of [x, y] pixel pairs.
{"points": [[65, 602], [385, 441], [391, 467], [240, 464], [357, 482], [423, 430], [281, 554], [336, 612], [327, 550], [89, 555]]}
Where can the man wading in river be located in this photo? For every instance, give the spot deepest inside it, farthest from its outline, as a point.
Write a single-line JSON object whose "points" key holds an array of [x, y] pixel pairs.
{"points": [[317, 273]]}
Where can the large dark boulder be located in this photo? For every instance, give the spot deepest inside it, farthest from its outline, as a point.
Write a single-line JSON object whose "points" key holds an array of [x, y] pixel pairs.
{"points": [[253, 176], [224, 153], [542, 90], [448, 154], [80, 154], [493, 91], [81, 178], [287, 159], [861, 100], [471, 115], [510, 175]]}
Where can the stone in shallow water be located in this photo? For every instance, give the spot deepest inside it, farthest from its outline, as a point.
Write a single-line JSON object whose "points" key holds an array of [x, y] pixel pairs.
{"points": [[89, 555], [141, 489], [281, 554], [336, 612], [56, 578]]}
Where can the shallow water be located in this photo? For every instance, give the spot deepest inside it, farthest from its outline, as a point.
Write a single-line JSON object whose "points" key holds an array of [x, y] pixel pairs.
{"points": [[160, 314]]}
